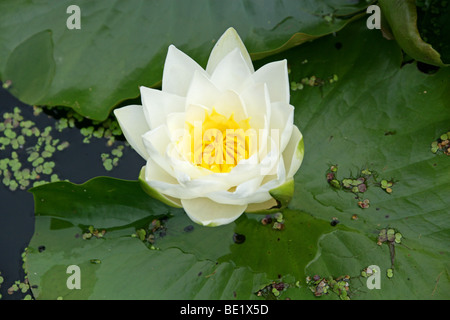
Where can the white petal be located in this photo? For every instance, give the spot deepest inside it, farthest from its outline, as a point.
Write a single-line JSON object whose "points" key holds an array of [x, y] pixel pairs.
{"points": [[229, 102], [275, 75], [173, 177], [202, 91], [243, 194], [227, 43], [261, 206], [282, 120], [293, 154], [156, 143], [173, 202], [196, 113], [157, 139], [199, 188], [245, 170], [257, 103], [154, 172], [132, 122], [209, 213], [158, 104], [159, 179], [182, 166], [231, 72], [270, 164], [176, 124], [258, 107], [179, 69], [275, 178], [262, 194]]}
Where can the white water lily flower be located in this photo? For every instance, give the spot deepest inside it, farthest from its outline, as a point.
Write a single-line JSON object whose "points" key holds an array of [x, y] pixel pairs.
{"points": [[218, 142]]}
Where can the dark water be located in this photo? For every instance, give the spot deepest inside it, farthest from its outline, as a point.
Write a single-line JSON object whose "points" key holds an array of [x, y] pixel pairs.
{"points": [[78, 163]]}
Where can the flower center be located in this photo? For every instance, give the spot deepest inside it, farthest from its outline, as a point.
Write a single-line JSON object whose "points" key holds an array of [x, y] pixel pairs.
{"points": [[219, 143]]}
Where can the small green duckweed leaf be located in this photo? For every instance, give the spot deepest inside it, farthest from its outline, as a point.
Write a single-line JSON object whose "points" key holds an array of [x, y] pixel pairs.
{"points": [[390, 273], [442, 144], [141, 233]]}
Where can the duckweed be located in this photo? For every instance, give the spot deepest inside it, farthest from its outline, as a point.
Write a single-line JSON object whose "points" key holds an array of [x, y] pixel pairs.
{"points": [[31, 149], [312, 81], [358, 185], [24, 164], [323, 286], [442, 144], [273, 290]]}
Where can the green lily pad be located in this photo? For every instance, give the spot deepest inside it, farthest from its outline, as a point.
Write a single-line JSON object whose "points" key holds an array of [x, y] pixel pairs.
{"points": [[61, 198], [34, 53], [349, 126], [122, 45], [119, 254], [216, 265]]}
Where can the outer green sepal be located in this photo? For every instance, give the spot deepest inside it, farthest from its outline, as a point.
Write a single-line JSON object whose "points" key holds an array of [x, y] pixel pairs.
{"points": [[281, 196]]}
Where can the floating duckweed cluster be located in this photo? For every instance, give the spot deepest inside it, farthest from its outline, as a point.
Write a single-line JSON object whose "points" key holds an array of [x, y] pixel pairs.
{"points": [[19, 286], [273, 290], [387, 185], [312, 81], [155, 230], [322, 286], [318, 285], [108, 129], [442, 144], [91, 232], [358, 185], [27, 166], [31, 148], [1, 281], [277, 221], [389, 235], [111, 160], [367, 272]]}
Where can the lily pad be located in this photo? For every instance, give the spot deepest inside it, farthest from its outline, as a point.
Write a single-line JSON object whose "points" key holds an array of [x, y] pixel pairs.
{"points": [[122, 45], [219, 267], [344, 123]]}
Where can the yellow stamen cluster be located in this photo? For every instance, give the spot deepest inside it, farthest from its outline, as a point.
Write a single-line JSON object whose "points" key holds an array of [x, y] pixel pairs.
{"points": [[220, 142]]}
